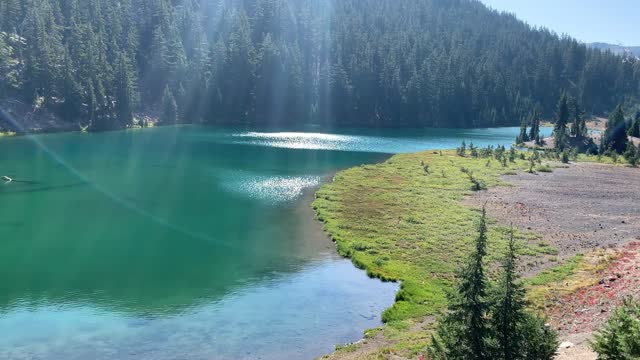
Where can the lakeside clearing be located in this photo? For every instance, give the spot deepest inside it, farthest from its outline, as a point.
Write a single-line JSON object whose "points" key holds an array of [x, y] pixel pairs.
{"points": [[400, 222]]}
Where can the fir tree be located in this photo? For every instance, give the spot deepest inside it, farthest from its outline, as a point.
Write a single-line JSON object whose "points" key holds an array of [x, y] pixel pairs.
{"points": [[92, 104], [615, 135], [523, 136], [169, 107], [632, 154], [476, 327], [620, 337], [540, 342], [71, 92], [509, 310], [464, 332], [534, 132], [560, 127], [124, 92], [578, 127], [634, 129], [292, 62]]}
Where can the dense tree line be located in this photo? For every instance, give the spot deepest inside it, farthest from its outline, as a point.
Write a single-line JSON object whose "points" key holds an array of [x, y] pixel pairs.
{"points": [[451, 63]]}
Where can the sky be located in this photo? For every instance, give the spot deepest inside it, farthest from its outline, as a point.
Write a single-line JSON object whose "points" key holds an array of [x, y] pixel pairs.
{"points": [[610, 21]]}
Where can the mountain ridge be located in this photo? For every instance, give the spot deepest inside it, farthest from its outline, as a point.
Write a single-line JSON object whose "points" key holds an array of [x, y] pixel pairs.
{"points": [[616, 49]]}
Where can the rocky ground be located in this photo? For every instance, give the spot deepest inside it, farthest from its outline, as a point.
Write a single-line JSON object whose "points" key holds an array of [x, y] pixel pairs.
{"points": [[578, 209]]}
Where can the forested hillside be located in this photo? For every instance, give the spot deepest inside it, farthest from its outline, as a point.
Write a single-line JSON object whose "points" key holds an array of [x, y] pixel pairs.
{"points": [[444, 63]]}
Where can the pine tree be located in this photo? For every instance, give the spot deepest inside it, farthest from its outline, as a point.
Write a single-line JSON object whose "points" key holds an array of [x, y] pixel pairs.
{"points": [[578, 127], [620, 337], [509, 311], [476, 327], [92, 104], [124, 92], [182, 103], [9, 76], [540, 342], [464, 332], [632, 154], [634, 129], [615, 135], [560, 128], [523, 136], [169, 107], [71, 93], [313, 67], [534, 133]]}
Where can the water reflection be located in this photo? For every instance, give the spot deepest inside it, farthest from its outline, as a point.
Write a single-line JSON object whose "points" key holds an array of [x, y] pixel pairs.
{"points": [[231, 328], [184, 242]]}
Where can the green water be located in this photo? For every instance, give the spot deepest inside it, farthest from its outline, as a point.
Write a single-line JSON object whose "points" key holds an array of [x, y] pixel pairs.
{"points": [[184, 243]]}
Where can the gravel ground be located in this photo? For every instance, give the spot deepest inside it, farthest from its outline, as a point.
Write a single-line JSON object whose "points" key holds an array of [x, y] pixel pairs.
{"points": [[578, 209], [575, 209]]}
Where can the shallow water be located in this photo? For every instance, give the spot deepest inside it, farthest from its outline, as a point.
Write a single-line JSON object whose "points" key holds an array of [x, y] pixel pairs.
{"points": [[185, 243]]}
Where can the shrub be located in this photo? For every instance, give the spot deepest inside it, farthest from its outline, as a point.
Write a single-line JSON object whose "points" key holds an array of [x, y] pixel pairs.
{"points": [[544, 168], [620, 337]]}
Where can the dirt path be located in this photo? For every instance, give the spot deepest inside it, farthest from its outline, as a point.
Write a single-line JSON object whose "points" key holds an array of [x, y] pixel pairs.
{"points": [[577, 210]]}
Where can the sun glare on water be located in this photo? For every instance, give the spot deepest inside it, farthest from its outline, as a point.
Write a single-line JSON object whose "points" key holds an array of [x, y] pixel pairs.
{"points": [[298, 140]]}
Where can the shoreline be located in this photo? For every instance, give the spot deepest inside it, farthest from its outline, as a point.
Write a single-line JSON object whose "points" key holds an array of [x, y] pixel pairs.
{"points": [[407, 336], [416, 303]]}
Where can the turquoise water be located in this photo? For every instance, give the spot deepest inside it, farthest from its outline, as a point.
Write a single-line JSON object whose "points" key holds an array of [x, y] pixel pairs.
{"points": [[185, 243]]}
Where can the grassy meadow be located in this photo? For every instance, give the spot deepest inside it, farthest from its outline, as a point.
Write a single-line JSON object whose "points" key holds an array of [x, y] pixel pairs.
{"points": [[403, 220]]}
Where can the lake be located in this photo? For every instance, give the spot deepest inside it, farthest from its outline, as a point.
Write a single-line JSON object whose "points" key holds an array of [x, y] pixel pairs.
{"points": [[185, 242]]}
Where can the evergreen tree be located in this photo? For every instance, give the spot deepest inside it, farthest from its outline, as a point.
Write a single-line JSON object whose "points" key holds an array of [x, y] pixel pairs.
{"points": [[523, 136], [509, 311], [579, 126], [560, 127], [477, 328], [634, 129], [534, 132], [124, 92], [540, 342], [71, 92], [620, 337], [92, 104], [169, 107], [6, 54], [464, 332], [615, 135], [632, 154], [332, 62]]}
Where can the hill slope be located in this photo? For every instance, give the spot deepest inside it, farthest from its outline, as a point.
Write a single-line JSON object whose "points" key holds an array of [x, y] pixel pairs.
{"points": [[617, 49], [445, 63]]}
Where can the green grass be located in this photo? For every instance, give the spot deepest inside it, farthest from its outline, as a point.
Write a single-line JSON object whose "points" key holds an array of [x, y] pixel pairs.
{"points": [[545, 168], [572, 274], [399, 223], [556, 274], [618, 160]]}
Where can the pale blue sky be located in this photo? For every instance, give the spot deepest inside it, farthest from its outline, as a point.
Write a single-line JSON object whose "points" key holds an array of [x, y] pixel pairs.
{"points": [[612, 21]]}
